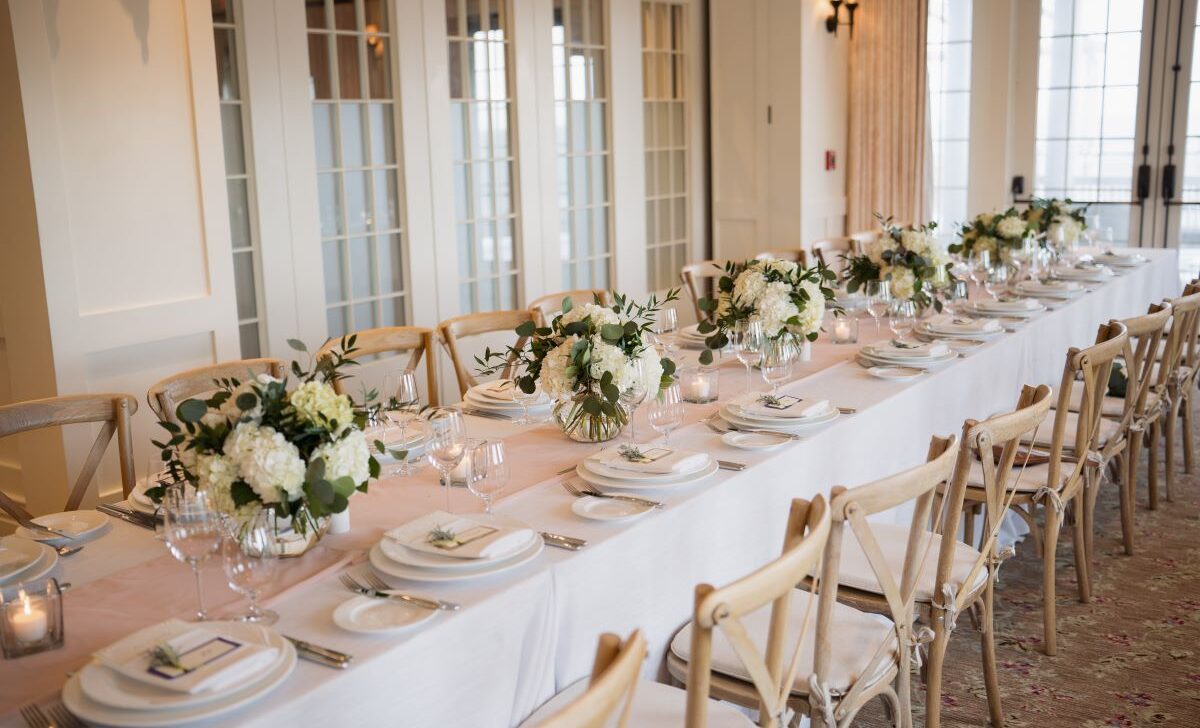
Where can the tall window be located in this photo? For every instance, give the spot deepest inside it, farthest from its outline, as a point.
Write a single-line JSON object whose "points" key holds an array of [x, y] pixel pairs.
{"points": [[1088, 69], [1189, 215], [949, 62], [238, 182], [668, 236], [358, 179], [581, 124], [484, 183]]}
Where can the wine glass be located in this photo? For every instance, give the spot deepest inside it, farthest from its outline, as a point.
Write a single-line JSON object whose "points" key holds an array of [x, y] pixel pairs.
{"points": [[633, 394], [665, 326], [400, 390], [956, 295], [879, 298], [747, 338], [666, 412], [981, 263], [777, 359], [1106, 238], [524, 399], [447, 444], [192, 530], [997, 280], [489, 472], [902, 318], [403, 432], [249, 558]]}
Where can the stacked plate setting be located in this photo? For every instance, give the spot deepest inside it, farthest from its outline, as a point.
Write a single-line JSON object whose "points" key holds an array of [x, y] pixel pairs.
{"points": [[1085, 271], [100, 694], [691, 338], [915, 355], [1049, 289], [497, 396], [392, 557], [945, 326], [1021, 308], [23, 559], [746, 412], [1121, 260], [597, 471]]}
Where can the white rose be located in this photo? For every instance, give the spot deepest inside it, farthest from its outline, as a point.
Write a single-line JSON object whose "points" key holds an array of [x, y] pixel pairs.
{"points": [[813, 312], [347, 457], [608, 359], [902, 282], [552, 378], [986, 218], [1011, 227], [599, 314], [775, 307], [749, 287], [317, 403], [652, 370], [266, 461]]}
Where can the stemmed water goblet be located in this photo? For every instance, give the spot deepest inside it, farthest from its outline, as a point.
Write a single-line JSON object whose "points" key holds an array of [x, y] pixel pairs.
{"points": [[777, 359], [249, 558], [879, 298], [666, 323], [633, 394], [997, 280], [902, 318], [446, 445], [747, 339], [524, 399], [981, 264], [666, 412], [489, 472], [192, 530]]}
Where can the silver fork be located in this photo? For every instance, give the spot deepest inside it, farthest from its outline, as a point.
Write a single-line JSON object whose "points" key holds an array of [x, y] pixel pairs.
{"points": [[63, 718], [579, 492], [381, 590], [380, 585], [34, 717]]}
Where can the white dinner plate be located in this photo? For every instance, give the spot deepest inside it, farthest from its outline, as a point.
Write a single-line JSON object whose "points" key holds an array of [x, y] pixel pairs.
{"points": [[982, 309], [389, 567], [674, 481], [608, 471], [507, 409], [790, 427], [1091, 275], [872, 361], [608, 509], [1121, 261], [82, 525], [1051, 292], [752, 440], [93, 711], [401, 554], [896, 374], [499, 393], [740, 412], [372, 615], [37, 560], [927, 330]]}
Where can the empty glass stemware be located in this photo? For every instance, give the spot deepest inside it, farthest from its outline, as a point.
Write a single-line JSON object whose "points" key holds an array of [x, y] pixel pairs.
{"points": [[400, 390], [777, 359], [524, 399], [403, 432], [633, 394], [997, 280], [489, 472], [981, 263], [192, 530], [665, 326], [447, 444], [879, 298], [747, 339], [666, 412], [902, 318], [249, 558]]}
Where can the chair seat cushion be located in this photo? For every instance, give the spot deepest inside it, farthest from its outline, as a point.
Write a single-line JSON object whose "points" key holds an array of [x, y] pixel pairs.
{"points": [[1045, 433], [1111, 407], [1031, 478], [654, 705], [856, 637], [856, 572]]}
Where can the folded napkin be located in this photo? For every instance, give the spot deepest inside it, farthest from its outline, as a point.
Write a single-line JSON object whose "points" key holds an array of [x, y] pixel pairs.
{"points": [[788, 407], [654, 460], [908, 350], [1122, 258], [472, 539], [212, 660], [1023, 304], [1085, 271], [946, 323], [1048, 286]]}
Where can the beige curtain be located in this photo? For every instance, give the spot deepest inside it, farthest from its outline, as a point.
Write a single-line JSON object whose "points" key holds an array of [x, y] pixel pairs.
{"points": [[887, 154]]}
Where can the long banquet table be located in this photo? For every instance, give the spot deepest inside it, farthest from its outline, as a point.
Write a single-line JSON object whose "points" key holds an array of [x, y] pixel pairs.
{"points": [[524, 634]]}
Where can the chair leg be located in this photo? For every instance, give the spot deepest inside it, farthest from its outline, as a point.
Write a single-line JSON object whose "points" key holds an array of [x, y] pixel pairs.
{"points": [[1172, 421], [1152, 464], [1049, 547], [1080, 546], [933, 672], [988, 642], [1129, 491], [1092, 483], [1188, 454]]}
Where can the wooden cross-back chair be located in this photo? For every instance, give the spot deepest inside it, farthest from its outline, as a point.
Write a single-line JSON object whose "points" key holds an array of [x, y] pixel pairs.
{"points": [[545, 308], [793, 255], [610, 691], [112, 411], [418, 341], [165, 395], [700, 280], [865, 237], [477, 324], [834, 251], [1175, 381]]}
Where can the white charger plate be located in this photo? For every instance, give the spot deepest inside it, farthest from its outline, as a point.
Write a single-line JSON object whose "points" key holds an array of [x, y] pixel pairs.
{"points": [[871, 361], [91, 710], [1040, 292], [1121, 261], [1092, 275], [989, 312], [791, 428], [39, 560], [895, 374], [608, 509], [752, 440], [607, 471], [926, 329], [740, 412], [82, 525], [401, 554], [674, 481], [372, 615], [389, 567]]}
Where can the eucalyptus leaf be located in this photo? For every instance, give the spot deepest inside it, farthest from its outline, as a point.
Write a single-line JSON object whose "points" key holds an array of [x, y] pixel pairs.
{"points": [[191, 410], [298, 345], [612, 332]]}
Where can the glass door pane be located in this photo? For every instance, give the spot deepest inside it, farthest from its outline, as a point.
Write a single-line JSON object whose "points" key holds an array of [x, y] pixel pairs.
{"points": [[1189, 190], [580, 53], [1088, 70], [949, 59], [358, 176]]}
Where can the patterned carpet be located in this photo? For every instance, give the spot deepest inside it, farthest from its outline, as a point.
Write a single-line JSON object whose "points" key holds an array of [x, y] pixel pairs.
{"points": [[1130, 657]]}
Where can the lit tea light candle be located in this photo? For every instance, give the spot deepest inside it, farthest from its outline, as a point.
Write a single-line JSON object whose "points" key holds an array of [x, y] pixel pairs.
{"points": [[29, 623], [845, 330], [699, 385]]}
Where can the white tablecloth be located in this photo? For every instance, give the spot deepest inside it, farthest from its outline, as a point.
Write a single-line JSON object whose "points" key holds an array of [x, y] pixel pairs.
{"points": [[523, 635]]}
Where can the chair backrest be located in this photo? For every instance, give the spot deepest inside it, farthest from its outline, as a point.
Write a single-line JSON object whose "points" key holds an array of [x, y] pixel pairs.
{"points": [[864, 237], [1141, 349], [166, 394], [545, 308], [1181, 347], [699, 280], [795, 255], [476, 324], [917, 486], [417, 340], [614, 677], [833, 252], [772, 672], [112, 410]]}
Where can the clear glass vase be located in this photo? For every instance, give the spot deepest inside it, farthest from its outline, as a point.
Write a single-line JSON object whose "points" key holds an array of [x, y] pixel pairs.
{"points": [[581, 426]]}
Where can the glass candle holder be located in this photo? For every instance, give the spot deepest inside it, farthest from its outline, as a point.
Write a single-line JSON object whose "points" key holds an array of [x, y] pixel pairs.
{"points": [[698, 385], [844, 330], [30, 618]]}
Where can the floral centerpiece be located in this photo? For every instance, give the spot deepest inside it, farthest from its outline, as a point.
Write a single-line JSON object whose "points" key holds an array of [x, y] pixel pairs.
{"points": [[584, 361], [788, 299], [992, 232], [256, 444], [1048, 215], [910, 258]]}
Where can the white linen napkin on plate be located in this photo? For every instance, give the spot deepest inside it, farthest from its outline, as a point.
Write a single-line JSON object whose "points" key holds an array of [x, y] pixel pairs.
{"points": [[946, 323], [216, 661], [500, 391], [473, 539], [789, 407], [1048, 286], [908, 350], [1023, 304], [656, 460]]}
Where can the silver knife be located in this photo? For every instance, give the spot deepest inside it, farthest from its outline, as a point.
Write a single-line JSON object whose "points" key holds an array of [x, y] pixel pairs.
{"points": [[39, 528], [321, 655], [485, 414], [730, 465], [128, 518], [563, 542]]}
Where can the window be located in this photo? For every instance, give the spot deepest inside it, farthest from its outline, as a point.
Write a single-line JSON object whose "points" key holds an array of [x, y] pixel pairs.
{"points": [[580, 50], [1088, 69], [668, 238], [238, 180], [949, 60], [1189, 215], [358, 177], [484, 154]]}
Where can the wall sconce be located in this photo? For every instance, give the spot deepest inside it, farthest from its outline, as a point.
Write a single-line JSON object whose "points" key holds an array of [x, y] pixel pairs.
{"points": [[834, 20]]}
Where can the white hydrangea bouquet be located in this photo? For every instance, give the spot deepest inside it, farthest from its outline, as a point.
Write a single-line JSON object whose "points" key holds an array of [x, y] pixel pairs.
{"points": [[992, 232], [1047, 215], [788, 299], [256, 444], [910, 258], [585, 359]]}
